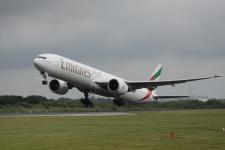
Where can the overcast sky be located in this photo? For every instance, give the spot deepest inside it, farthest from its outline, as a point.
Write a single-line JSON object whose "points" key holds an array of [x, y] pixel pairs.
{"points": [[127, 38]]}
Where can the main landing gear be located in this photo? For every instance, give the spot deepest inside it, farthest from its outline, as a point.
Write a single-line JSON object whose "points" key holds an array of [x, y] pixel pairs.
{"points": [[118, 102], [44, 75], [86, 100]]}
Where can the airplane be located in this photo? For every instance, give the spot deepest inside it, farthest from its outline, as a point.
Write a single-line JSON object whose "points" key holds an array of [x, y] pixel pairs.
{"points": [[68, 74]]}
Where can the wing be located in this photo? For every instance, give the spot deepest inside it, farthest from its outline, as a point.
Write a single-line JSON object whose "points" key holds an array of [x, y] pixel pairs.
{"points": [[133, 85]]}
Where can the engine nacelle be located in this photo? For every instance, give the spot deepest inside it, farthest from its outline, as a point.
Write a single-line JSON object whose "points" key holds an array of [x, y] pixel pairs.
{"points": [[117, 86], [58, 86]]}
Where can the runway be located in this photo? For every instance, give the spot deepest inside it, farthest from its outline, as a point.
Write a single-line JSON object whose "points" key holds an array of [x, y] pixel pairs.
{"points": [[64, 114]]}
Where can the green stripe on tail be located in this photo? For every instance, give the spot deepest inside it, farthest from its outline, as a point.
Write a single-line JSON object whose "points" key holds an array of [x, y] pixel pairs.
{"points": [[156, 74]]}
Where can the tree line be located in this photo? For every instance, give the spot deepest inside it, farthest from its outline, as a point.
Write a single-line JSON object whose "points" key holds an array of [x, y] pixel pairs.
{"points": [[104, 104]]}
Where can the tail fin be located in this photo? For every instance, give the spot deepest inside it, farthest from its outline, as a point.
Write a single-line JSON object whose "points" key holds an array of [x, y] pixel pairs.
{"points": [[155, 76], [157, 72]]}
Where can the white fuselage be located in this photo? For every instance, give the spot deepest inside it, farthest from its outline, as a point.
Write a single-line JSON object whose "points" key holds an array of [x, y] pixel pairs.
{"points": [[84, 77]]}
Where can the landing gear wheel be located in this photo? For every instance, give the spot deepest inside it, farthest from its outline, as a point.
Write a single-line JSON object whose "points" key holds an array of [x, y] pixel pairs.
{"points": [[44, 82], [86, 101], [118, 102]]}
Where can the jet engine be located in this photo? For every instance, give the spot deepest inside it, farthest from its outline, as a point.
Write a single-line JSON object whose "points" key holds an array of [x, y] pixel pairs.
{"points": [[117, 86], [58, 86]]}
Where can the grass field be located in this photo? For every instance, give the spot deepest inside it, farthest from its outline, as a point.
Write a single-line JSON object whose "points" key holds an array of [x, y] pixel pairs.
{"points": [[194, 129]]}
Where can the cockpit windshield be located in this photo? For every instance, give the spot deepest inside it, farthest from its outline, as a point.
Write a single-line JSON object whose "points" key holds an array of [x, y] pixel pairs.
{"points": [[42, 57]]}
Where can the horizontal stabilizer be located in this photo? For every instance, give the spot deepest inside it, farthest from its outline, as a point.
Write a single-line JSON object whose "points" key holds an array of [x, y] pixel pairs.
{"points": [[164, 97]]}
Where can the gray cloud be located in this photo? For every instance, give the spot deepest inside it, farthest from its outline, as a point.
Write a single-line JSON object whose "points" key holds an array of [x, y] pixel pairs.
{"points": [[124, 34], [99, 25]]}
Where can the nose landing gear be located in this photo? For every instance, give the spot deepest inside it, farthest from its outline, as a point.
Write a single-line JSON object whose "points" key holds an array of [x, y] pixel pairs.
{"points": [[44, 75]]}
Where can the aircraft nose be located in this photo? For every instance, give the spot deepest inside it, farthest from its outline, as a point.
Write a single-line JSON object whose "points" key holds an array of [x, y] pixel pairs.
{"points": [[36, 63]]}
